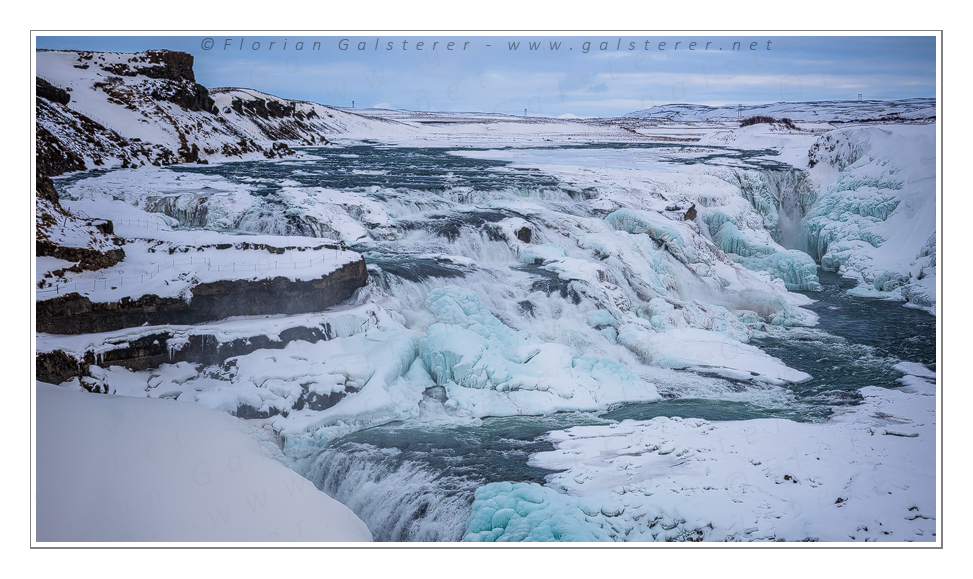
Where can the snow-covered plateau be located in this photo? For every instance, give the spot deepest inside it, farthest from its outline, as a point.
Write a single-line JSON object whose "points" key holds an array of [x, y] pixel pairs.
{"points": [[658, 327]]}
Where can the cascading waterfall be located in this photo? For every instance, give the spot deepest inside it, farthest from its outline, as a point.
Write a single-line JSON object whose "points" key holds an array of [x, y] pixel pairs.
{"points": [[780, 197], [795, 195], [399, 500], [553, 269]]}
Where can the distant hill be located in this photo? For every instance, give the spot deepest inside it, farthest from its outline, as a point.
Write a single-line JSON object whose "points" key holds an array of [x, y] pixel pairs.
{"points": [[915, 110]]}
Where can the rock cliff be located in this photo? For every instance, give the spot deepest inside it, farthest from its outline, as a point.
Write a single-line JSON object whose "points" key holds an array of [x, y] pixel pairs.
{"points": [[76, 314]]}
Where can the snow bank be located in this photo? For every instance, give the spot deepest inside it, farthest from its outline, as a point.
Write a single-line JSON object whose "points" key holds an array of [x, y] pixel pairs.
{"points": [[150, 268], [707, 351], [875, 218], [863, 476], [119, 469]]}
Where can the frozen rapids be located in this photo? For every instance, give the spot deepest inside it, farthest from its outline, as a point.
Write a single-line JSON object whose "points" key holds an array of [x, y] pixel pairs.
{"points": [[507, 304]]}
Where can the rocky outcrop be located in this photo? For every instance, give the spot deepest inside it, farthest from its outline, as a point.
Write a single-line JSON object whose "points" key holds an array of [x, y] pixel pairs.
{"points": [[690, 213], [177, 66], [45, 188], [262, 108], [52, 93], [190, 96], [88, 259], [56, 367], [51, 216], [53, 156], [76, 314], [132, 90], [153, 350]]}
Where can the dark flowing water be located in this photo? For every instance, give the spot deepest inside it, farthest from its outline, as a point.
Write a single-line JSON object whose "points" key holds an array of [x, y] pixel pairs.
{"points": [[415, 482]]}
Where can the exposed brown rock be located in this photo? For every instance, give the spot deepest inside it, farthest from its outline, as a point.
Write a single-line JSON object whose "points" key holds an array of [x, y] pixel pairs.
{"points": [[691, 213], [76, 314], [52, 93], [53, 157], [56, 367], [153, 350], [45, 188]]}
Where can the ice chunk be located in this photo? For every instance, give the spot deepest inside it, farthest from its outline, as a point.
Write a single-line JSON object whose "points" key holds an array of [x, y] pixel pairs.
{"points": [[598, 318], [795, 268], [707, 351], [528, 512], [487, 369]]}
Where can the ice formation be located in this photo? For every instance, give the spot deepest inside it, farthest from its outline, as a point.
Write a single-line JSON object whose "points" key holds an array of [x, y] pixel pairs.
{"points": [[860, 477], [875, 218], [517, 281]]}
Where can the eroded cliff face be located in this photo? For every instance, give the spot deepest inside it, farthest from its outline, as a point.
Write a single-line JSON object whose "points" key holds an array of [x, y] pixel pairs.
{"points": [[90, 243], [163, 347], [76, 314], [128, 110], [155, 89]]}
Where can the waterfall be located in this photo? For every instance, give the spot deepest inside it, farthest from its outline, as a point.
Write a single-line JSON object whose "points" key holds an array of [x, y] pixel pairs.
{"points": [[399, 500]]}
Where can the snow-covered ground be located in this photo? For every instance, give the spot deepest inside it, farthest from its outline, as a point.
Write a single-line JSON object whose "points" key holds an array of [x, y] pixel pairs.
{"points": [[866, 475], [166, 269], [118, 469]]}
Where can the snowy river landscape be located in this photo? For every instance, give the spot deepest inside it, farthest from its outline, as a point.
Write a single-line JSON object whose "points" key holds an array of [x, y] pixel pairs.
{"points": [[586, 330]]}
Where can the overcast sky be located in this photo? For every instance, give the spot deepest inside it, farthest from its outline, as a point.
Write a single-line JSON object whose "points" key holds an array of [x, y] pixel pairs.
{"points": [[616, 75]]}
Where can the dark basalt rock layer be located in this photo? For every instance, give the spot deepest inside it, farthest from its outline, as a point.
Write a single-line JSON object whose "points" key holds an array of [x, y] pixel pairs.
{"points": [[76, 314], [52, 93], [153, 350]]}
